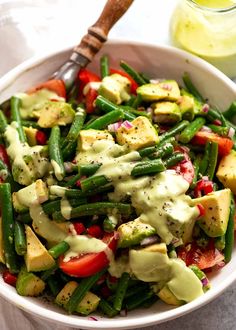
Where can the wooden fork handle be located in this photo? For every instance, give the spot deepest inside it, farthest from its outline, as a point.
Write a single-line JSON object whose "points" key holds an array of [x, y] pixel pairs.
{"points": [[97, 33]]}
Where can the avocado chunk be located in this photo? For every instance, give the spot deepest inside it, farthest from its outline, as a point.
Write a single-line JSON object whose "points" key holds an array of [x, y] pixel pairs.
{"points": [[133, 232], [30, 133], [55, 113], [226, 172], [165, 90], [37, 258], [197, 105], [186, 106], [158, 247], [89, 136], [35, 193], [28, 284], [217, 208], [141, 134], [166, 112], [168, 297], [115, 88], [87, 305]]}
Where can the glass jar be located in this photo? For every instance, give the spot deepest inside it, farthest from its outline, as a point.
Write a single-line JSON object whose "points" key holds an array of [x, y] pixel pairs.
{"points": [[207, 28]]}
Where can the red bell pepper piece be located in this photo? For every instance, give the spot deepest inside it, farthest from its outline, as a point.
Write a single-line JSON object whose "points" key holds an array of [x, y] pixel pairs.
{"points": [[95, 231], [79, 228], [9, 278], [89, 100], [3, 155], [203, 187], [55, 85], [133, 86], [224, 144], [41, 138]]}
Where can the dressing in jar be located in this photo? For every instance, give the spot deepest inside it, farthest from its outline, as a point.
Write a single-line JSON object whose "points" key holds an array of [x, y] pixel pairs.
{"points": [[207, 28]]}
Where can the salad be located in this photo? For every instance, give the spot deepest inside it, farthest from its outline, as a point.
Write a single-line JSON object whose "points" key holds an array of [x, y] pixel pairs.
{"points": [[116, 195]]}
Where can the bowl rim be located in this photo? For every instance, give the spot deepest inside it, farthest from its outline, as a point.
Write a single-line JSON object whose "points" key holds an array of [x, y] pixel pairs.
{"points": [[121, 323]]}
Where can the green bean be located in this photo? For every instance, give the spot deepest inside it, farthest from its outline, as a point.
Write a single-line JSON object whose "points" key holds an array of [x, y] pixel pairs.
{"points": [[88, 169], [106, 308], [108, 106], [7, 176], [99, 208], [176, 158], [70, 142], [55, 153], [50, 207], [8, 227], [223, 131], [147, 151], [108, 225], [81, 290], [121, 290], [133, 73], [70, 167], [59, 249], [3, 122], [105, 105], [72, 181], [220, 242], [163, 151], [47, 273], [109, 118], [149, 302], [104, 66], [15, 112], [148, 167], [204, 162], [137, 101], [54, 285], [20, 239], [230, 112], [30, 123], [138, 299], [179, 127], [135, 112], [188, 133], [139, 288], [131, 100], [93, 182], [213, 156], [196, 164], [214, 114], [229, 235], [191, 88]]}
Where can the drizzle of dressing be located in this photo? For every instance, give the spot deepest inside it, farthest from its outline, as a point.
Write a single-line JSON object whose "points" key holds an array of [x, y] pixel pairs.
{"points": [[66, 208], [24, 173], [81, 244], [31, 103]]}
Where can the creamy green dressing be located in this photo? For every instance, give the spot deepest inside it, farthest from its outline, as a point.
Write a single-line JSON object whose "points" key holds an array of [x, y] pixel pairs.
{"points": [[66, 208], [29, 195], [81, 244], [44, 226], [101, 151], [57, 190], [31, 103], [22, 172], [159, 201], [57, 170]]}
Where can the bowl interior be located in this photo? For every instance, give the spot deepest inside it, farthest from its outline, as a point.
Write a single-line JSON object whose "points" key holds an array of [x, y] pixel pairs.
{"points": [[157, 62]]}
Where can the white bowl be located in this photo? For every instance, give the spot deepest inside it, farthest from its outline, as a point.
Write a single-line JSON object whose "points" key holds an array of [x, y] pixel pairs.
{"points": [[156, 61]]}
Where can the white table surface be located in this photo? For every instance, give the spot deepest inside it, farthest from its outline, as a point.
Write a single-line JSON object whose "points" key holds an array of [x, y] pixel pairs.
{"points": [[37, 28]]}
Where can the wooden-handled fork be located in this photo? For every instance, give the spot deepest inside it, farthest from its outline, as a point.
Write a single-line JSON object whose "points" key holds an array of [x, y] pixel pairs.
{"points": [[92, 41]]}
